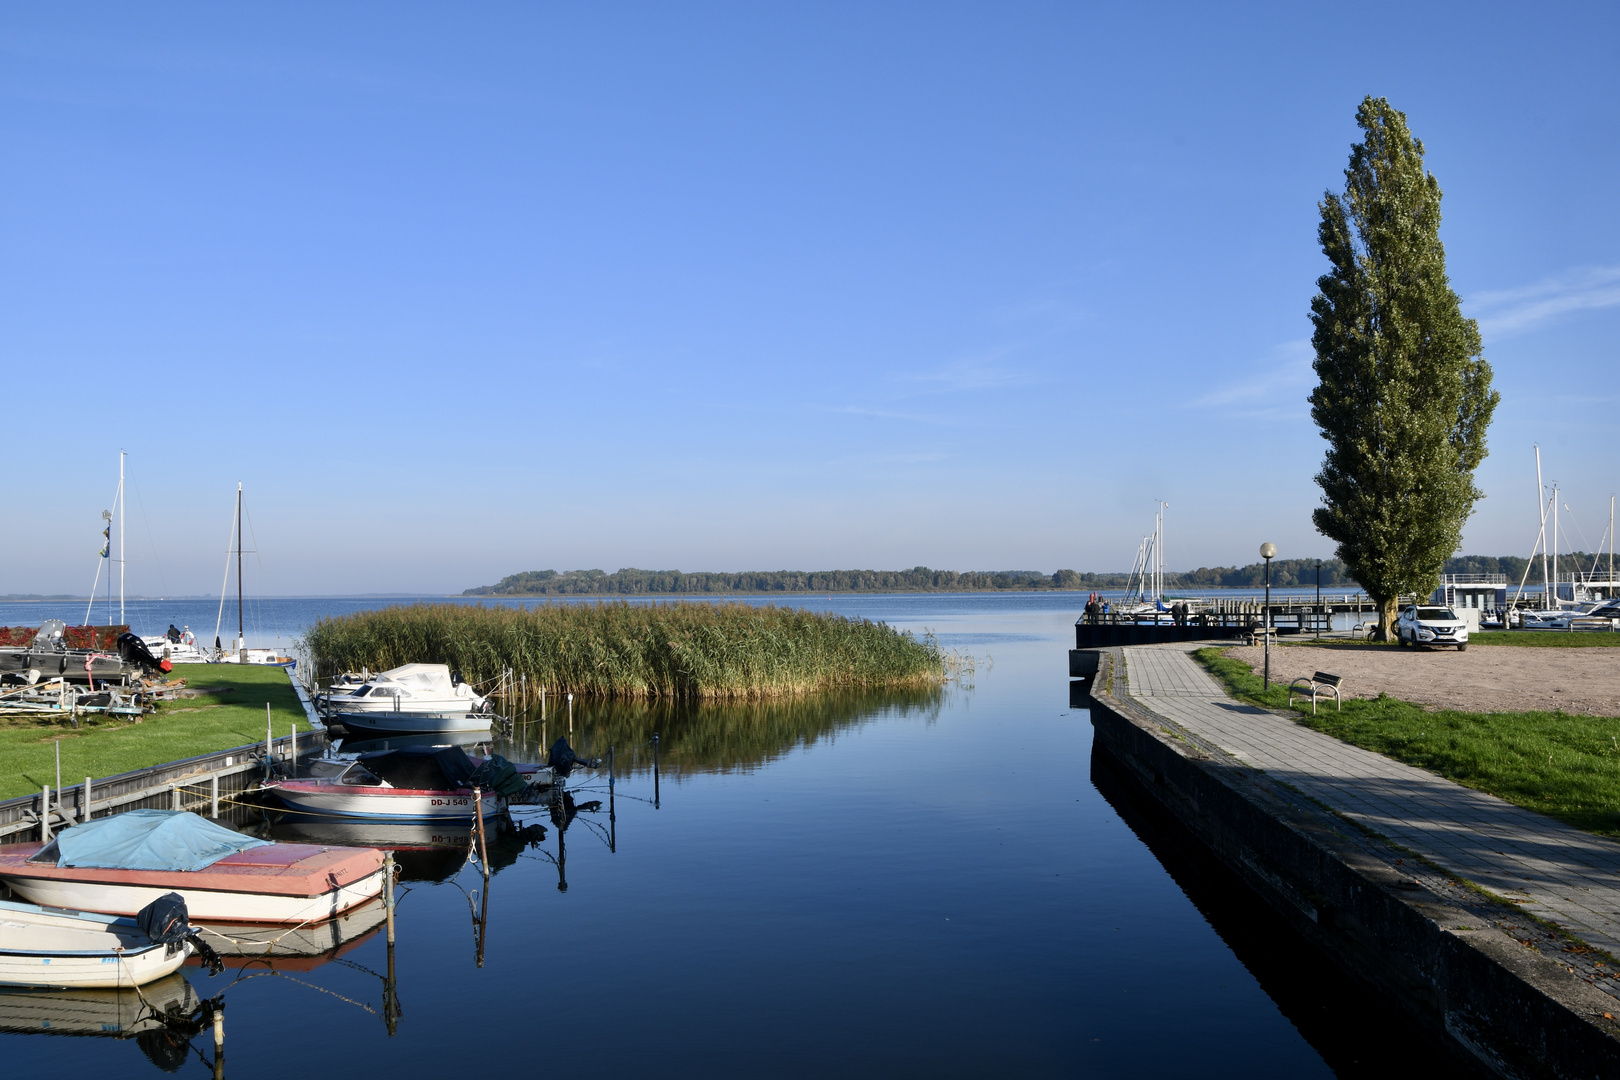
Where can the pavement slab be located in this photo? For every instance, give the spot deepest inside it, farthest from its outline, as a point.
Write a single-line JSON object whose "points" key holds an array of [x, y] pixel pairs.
{"points": [[1550, 869]]}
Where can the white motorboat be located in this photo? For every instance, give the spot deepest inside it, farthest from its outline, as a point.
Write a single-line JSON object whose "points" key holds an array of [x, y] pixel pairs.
{"points": [[372, 725], [52, 947], [422, 689], [177, 647]]}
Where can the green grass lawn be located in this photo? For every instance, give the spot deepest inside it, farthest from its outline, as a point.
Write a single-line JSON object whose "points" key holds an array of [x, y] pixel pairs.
{"points": [[179, 729], [1567, 767], [1548, 639]]}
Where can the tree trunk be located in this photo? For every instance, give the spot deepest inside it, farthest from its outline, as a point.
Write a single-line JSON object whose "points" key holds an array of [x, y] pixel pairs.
{"points": [[1388, 612]]}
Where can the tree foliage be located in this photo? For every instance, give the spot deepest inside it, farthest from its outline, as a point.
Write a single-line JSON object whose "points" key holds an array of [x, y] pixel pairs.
{"points": [[1404, 396]]}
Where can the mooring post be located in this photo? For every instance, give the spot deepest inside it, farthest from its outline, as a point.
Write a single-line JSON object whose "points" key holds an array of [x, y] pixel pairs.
{"points": [[213, 795], [295, 748], [655, 770], [84, 809], [269, 738], [570, 714], [388, 897], [613, 817], [483, 847], [219, 1039], [45, 814], [58, 744]]}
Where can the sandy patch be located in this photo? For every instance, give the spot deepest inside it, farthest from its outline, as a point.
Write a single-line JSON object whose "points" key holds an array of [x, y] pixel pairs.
{"points": [[1486, 678]]}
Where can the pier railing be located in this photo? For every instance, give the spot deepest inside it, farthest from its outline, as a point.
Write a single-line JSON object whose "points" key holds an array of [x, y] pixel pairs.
{"points": [[203, 783]]}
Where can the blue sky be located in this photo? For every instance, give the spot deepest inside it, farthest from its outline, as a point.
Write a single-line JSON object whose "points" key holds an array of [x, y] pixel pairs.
{"points": [[461, 291]]}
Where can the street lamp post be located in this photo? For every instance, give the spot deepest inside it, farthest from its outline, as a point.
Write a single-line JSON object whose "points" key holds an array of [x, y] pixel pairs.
{"points": [[1319, 612], [1268, 551]]}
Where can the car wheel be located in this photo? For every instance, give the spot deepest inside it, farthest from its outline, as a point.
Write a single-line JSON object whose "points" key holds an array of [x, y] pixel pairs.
{"points": [[1463, 647]]}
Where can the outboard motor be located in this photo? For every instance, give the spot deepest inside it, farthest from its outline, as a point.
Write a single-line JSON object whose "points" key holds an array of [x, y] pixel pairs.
{"points": [[563, 760], [134, 651], [167, 922]]}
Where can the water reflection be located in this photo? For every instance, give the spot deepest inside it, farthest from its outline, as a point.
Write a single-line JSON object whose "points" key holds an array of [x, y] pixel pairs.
{"points": [[303, 947], [1335, 1016], [708, 736], [160, 1018]]}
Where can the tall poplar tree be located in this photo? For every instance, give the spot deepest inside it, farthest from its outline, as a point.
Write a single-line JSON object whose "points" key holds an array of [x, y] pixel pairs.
{"points": [[1404, 396]]}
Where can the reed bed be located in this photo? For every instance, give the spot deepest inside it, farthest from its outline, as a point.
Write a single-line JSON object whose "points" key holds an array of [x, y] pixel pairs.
{"points": [[635, 651]]}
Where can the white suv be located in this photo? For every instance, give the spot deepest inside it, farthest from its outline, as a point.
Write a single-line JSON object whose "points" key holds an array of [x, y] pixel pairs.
{"points": [[1419, 625]]}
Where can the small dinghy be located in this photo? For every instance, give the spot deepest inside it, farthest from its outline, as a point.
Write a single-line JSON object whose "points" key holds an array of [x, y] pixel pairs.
{"points": [[56, 948], [117, 865]]}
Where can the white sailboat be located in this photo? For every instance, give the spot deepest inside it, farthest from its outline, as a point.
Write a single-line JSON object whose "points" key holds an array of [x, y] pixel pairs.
{"points": [[239, 653], [1144, 591], [1586, 588]]}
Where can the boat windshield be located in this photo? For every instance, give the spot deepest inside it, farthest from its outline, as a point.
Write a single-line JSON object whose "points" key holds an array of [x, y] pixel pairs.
{"points": [[1436, 614]]}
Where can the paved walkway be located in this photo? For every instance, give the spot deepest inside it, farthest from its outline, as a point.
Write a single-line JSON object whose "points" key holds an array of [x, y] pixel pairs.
{"points": [[1559, 873]]}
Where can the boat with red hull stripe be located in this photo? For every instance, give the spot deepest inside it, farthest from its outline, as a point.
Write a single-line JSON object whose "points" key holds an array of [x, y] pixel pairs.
{"points": [[339, 797], [272, 883]]}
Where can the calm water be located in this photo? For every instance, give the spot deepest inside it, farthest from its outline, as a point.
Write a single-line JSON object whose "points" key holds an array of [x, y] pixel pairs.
{"points": [[945, 884]]}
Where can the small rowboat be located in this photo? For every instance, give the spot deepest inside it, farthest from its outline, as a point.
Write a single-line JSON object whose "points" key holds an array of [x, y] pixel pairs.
{"points": [[51, 947]]}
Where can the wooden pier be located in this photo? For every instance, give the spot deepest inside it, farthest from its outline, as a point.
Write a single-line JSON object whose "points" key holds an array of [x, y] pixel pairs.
{"points": [[202, 783], [1217, 618]]}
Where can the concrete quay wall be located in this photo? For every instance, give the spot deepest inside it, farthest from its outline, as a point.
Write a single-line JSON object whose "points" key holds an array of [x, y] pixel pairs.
{"points": [[1516, 1012]]}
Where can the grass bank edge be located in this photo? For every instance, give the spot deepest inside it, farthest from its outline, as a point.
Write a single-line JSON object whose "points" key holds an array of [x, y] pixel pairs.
{"points": [[103, 747], [1564, 766]]}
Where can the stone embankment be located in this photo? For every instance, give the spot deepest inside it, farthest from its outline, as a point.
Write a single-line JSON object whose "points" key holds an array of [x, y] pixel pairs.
{"points": [[1496, 928]]}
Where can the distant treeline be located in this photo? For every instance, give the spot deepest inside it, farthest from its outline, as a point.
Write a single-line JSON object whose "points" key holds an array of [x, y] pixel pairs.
{"points": [[1285, 573], [633, 582]]}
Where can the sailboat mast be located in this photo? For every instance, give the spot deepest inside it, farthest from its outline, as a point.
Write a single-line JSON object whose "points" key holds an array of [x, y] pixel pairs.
{"points": [[1555, 547], [122, 555], [239, 566], [1540, 491]]}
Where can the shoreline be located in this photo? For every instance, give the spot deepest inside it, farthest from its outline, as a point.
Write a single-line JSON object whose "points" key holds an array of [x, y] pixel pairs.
{"points": [[1463, 964]]}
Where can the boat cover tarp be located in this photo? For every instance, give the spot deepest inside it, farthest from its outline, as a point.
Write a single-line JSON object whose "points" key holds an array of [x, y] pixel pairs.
{"points": [[150, 840], [497, 774]]}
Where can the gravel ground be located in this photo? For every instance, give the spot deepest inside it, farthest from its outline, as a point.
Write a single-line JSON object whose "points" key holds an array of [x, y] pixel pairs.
{"points": [[1486, 678]]}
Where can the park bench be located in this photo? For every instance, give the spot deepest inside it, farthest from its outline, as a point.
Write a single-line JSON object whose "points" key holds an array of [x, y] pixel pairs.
{"points": [[1320, 683]]}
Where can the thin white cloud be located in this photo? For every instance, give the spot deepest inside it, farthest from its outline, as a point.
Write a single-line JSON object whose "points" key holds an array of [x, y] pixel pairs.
{"points": [[1509, 311], [1285, 374], [889, 414], [984, 372]]}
